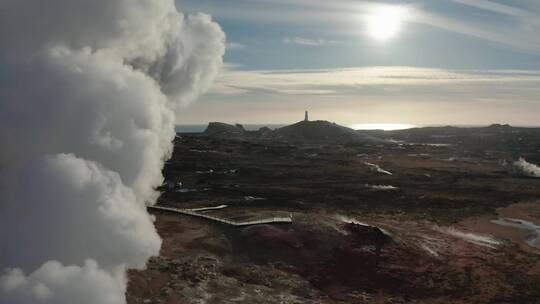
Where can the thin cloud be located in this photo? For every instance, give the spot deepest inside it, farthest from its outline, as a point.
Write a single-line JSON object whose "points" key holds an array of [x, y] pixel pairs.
{"points": [[383, 81], [343, 18], [373, 94], [497, 8], [503, 34], [235, 46], [307, 41], [518, 36], [231, 66]]}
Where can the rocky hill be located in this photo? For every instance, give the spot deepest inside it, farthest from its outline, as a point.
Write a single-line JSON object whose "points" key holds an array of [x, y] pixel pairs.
{"points": [[220, 129], [323, 131], [305, 131]]}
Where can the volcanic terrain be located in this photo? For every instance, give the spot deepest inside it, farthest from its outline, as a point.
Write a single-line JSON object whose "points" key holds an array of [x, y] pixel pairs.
{"points": [[407, 216]]}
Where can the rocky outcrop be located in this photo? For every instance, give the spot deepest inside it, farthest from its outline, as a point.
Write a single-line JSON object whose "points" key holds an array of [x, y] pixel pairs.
{"points": [[323, 131], [220, 129]]}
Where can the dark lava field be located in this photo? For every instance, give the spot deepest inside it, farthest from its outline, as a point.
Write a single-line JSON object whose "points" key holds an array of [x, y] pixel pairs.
{"points": [[410, 216]]}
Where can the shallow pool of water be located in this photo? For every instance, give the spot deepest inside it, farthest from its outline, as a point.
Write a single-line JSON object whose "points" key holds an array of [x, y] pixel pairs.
{"points": [[534, 240]]}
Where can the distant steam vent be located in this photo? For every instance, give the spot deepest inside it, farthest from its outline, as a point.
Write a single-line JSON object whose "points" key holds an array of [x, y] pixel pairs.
{"points": [[526, 168]]}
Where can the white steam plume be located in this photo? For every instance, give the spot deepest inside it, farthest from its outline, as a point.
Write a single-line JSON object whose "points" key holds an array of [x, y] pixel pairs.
{"points": [[527, 168], [88, 95]]}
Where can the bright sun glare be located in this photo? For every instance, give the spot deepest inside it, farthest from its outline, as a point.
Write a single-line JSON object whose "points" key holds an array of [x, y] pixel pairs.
{"points": [[385, 22]]}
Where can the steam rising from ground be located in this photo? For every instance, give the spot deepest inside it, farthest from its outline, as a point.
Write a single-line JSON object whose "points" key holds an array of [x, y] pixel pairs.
{"points": [[88, 95], [477, 239], [527, 168]]}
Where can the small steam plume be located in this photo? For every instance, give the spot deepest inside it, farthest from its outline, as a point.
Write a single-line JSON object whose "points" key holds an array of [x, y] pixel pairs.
{"points": [[88, 96], [527, 168]]}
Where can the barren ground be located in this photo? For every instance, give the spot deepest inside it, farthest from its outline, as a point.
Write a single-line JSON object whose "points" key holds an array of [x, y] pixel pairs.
{"points": [[443, 245]]}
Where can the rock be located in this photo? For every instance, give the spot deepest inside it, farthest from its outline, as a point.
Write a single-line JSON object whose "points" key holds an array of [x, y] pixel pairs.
{"points": [[220, 129], [324, 131]]}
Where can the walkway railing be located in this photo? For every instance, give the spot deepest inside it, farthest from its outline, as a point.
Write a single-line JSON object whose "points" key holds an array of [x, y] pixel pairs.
{"points": [[193, 212]]}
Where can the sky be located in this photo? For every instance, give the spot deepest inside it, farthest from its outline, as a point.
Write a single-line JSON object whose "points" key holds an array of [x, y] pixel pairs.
{"points": [[352, 62]]}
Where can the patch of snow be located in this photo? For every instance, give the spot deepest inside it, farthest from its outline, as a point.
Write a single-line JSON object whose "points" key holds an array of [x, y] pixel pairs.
{"points": [[382, 187], [346, 219], [377, 168], [429, 250], [455, 158], [252, 198], [419, 155]]}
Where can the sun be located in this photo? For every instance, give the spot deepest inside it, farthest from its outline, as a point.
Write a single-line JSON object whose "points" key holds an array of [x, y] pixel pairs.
{"points": [[385, 22]]}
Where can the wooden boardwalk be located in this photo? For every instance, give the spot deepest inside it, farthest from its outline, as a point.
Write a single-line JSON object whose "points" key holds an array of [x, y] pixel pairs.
{"points": [[193, 212]]}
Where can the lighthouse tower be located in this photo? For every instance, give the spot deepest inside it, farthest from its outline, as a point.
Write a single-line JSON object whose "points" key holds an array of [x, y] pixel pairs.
{"points": [[306, 117]]}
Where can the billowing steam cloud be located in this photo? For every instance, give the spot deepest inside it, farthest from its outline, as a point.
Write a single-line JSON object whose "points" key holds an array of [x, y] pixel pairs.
{"points": [[88, 94], [527, 168]]}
